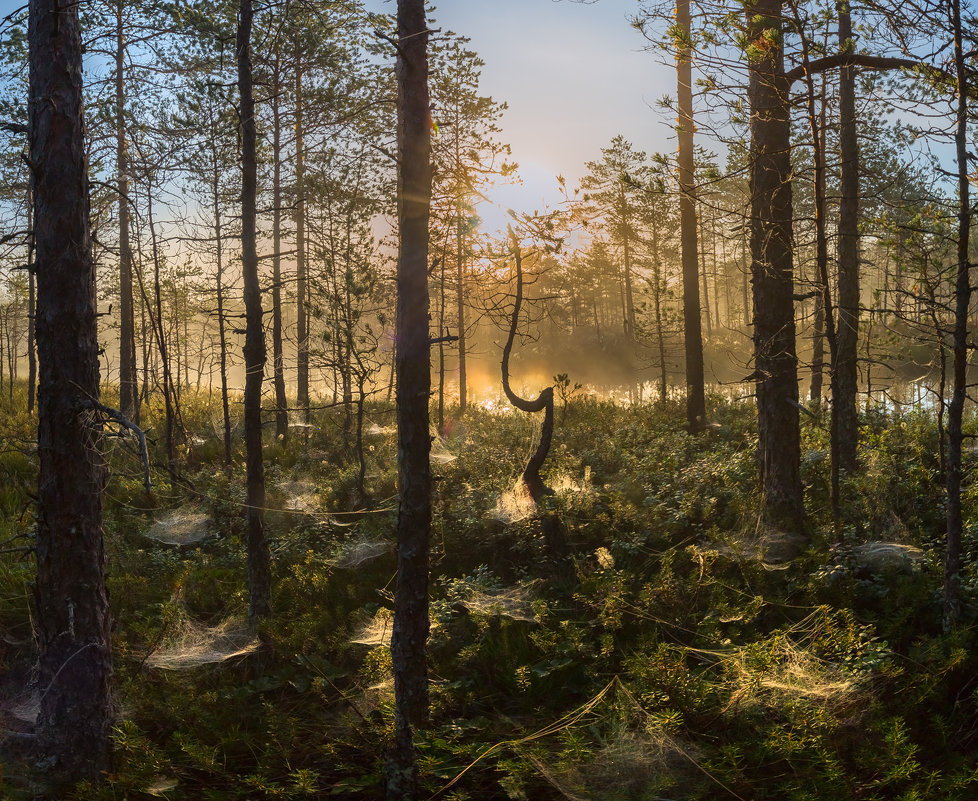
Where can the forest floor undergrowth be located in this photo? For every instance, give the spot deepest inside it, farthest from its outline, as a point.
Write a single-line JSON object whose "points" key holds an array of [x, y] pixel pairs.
{"points": [[682, 651]]}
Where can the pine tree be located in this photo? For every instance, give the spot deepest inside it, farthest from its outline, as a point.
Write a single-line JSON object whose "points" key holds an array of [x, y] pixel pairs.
{"points": [[72, 617], [411, 624]]}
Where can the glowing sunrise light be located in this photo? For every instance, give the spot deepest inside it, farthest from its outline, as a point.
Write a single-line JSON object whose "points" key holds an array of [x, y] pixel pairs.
{"points": [[538, 190]]}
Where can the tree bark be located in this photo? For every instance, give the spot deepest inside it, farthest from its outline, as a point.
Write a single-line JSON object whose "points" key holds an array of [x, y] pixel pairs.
{"points": [[413, 364], [657, 307], [824, 314], [953, 562], [818, 347], [626, 266], [11, 331], [169, 396], [259, 560], [692, 322], [745, 272], [72, 620], [278, 359], [824, 325], [219, 286], [716, 268], [845, 427], [441, 341], [128, 383], [775, 361], [31, 309], [302, 312], [460, 294], [852, 59], [705, 291]]}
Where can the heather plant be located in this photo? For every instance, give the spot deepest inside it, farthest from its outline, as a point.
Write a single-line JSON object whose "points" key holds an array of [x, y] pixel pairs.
{"points": [[691, 655]]}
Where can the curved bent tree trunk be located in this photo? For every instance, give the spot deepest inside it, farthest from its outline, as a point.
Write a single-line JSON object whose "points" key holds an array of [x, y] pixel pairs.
{"points": [[544, 401], [553, 531], [72, 611], [413, 365]]}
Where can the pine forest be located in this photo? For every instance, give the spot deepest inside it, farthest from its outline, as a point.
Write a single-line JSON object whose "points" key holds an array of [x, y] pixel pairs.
{"points": [[535, 400]]}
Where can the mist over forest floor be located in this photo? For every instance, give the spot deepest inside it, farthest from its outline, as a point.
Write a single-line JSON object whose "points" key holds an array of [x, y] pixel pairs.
{"points": [[681, 649]]}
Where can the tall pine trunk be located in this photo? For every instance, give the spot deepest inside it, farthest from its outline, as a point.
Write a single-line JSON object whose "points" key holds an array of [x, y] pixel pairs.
{"points": [[626, 265], [302, 309], [169, 398], [692, 323], [31, 309], [705, 293], [259, 568], [953, 561], [775, 362], [657, 308], [460, 296], [72, 620], [441, 343], [413, 364], [844, 423], [824, 315], [128, 386], [818, 344], [278, 358], [221, 323]]}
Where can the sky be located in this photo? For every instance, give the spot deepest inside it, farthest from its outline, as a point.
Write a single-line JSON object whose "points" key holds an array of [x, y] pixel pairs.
{"points": [[573, 75]]}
